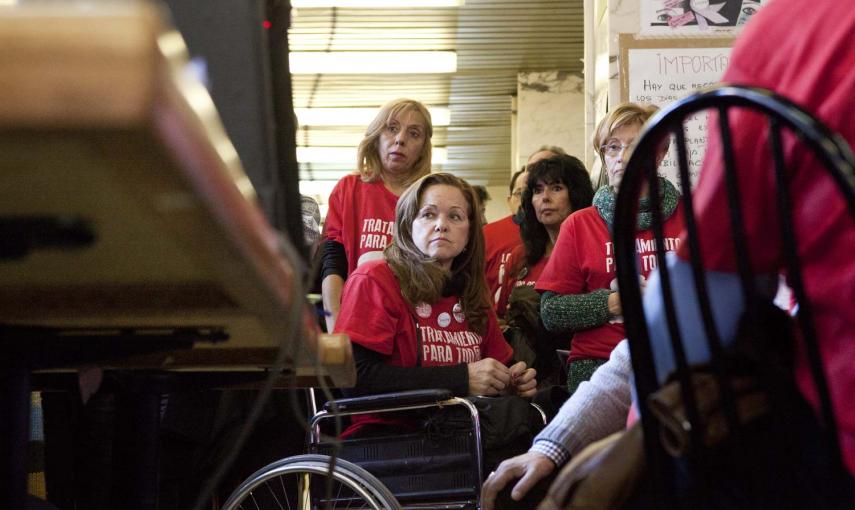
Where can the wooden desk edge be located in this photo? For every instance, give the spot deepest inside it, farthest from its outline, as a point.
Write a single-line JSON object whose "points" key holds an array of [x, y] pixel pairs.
{"points": [[334, 362]]}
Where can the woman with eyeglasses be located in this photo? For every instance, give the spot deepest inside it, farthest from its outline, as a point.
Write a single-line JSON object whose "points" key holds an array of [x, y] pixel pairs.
{"points": [[579, 283]]}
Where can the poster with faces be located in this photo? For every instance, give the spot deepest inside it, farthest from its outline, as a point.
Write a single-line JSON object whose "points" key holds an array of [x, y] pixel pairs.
{"points": [[697, 17]]}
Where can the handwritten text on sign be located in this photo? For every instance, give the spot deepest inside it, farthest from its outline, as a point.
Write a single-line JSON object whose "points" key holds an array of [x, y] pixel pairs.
{"points": [[663, 75]]}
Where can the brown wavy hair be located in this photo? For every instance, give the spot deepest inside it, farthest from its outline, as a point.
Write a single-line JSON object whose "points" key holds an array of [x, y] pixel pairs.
{"points": [[422, 280], [368, 158]]}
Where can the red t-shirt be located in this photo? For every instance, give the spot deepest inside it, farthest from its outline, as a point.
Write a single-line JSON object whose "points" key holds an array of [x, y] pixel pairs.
{"points": [[516, 263], [500, 239], [361, 217], [375, 315], [812, 66], [583, 260]]}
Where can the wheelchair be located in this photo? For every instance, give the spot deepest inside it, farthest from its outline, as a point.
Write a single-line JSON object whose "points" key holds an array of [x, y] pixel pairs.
{"points": [[425, 469]]}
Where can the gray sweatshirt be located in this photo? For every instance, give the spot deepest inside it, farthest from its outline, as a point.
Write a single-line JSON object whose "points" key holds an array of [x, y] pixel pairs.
{"points": [[598, 408]]}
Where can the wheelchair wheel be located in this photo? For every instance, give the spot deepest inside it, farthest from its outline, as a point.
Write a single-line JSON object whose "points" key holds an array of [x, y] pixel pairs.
{"points": [[303, 482]]}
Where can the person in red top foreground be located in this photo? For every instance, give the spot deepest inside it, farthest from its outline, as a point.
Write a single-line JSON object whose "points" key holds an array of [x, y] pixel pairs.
{"points": [[420, 318], [579, 283], [502, 236], [395, 152], [805, 52]]}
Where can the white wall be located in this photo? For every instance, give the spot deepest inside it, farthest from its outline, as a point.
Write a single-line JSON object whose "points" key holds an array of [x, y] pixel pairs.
{"points": [[605, 20], [550, 111], [497, 207]]}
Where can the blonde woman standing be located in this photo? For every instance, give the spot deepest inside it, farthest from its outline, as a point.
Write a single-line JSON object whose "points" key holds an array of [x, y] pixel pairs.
{"points": [[395, 152]]}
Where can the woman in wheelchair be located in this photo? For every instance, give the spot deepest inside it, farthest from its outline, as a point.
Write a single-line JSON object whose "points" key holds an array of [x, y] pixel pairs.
{"points": [[579, 284], [420, 318], [557, 186]]}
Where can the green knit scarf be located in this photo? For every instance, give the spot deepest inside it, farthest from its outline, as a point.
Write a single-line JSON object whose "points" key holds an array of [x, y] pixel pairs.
{"points": [[604, 201]]}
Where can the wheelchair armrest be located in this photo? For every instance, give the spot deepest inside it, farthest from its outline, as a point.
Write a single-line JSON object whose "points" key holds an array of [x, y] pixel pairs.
{"points": [[385, 400]]}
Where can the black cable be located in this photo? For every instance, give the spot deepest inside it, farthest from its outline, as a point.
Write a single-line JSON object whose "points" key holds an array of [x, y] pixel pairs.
{"points": [[292, 322], [336, 443]]}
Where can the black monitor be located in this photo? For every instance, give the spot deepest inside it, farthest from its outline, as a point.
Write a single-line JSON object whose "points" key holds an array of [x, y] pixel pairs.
{"points": [[244, 46]]}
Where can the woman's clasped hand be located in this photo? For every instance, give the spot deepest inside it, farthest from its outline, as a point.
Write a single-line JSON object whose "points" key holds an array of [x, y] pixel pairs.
{"points": [[489, 377]]}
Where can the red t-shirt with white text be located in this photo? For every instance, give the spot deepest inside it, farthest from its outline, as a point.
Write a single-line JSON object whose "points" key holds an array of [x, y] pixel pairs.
{"points": [[361, 216], [375, 315], [583, 260], [516, 278], [500, 239]]}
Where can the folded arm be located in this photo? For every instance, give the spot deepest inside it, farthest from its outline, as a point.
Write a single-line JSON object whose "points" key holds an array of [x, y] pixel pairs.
{"points": [[574, 312]]}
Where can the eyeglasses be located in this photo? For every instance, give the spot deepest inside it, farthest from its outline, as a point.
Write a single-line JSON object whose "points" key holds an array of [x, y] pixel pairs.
{"points": [[613, 149]]}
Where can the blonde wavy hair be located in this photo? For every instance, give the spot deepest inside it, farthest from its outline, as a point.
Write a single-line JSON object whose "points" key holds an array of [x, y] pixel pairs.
{"points": [[624, 114], [422, 280], [368, 162]]}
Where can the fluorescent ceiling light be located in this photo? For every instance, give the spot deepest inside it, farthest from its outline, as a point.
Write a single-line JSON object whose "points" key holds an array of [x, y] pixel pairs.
{"points": [[375, 3], [372, 62], [347, 155], [440, 116]]}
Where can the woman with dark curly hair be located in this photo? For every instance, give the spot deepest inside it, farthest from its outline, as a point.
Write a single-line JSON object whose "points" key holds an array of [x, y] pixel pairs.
{"points": [[556, 187]]}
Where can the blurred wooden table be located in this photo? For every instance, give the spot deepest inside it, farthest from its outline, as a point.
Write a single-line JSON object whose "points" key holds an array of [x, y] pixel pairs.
{"points": [[129, 236]]}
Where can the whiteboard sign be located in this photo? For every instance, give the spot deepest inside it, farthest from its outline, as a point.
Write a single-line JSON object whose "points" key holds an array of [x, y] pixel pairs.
{"points": [[663, 71]]}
